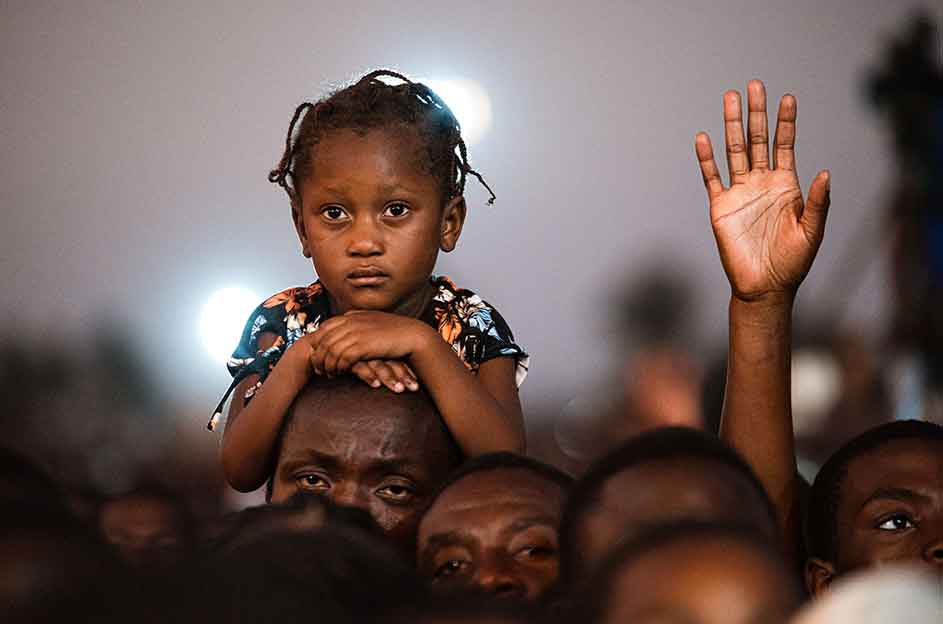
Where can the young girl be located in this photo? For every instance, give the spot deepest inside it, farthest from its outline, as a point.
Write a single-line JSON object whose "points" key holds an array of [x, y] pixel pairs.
{"points": [[376, 176]]}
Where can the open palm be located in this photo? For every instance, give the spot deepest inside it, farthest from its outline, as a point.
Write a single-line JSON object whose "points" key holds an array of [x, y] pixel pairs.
{"points": [[766, 234]]}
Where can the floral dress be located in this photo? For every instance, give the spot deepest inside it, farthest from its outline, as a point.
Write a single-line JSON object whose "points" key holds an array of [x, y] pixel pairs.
{"points": [[474, 329]]}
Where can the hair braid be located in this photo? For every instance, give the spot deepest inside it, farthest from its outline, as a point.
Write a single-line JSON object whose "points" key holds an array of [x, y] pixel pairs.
{"points": [[371, 103]]}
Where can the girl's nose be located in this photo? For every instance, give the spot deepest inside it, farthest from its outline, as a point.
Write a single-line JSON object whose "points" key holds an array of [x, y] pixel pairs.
{"points": [[364, 239], [933, 553]]}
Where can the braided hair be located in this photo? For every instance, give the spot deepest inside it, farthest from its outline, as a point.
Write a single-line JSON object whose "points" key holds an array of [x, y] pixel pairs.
{"points": [[369, 104]]}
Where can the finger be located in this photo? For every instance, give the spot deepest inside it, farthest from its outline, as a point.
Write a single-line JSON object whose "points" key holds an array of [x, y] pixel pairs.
{"points": [[784, 141], [341, 356], [758, 125], [326, 345], [365, 372], [709, 172], [737, 162], [816, 207], [387, 375], [404, 374]]}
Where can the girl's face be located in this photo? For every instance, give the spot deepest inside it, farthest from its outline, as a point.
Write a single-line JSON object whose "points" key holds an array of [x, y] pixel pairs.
{"points": [[372, 220]]}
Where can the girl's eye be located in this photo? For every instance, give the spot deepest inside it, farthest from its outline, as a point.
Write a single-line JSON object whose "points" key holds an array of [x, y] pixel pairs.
{"points": [[896, 523], [396, 210], [396, 493], [312, 482], [333, 213], [450, 568]]}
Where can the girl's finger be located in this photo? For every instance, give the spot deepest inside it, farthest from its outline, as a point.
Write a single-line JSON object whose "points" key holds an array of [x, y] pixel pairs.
{"points": [[387, 375], [784, 141], [404, 374], [758, 124], [333, 358], [737, 162], [365, 372], [705, 158]]}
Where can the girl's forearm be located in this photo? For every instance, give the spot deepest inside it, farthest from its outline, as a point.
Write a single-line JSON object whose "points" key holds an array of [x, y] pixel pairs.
{"points": [[248, 440], [477, 420], [757, 413]]}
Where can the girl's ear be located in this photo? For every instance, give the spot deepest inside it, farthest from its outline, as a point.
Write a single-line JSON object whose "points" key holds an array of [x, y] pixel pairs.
{"points": [[819, 574], [453, 218], [298, 218]]}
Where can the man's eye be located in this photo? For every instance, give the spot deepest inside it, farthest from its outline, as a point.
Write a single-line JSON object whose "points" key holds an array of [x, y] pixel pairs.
{"points": [[450, 568], [536, 552], [312, 482], [896, 523], [333, 213], [396, 210], [396, 493]]}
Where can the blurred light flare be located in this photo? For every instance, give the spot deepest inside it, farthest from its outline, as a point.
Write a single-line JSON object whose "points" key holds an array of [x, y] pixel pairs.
{"points": [[223, 318], [469, 102]]}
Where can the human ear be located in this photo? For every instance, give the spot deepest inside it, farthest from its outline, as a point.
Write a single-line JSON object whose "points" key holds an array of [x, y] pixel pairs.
{"points": [[297, 216], [453, 218], [819, 574]]}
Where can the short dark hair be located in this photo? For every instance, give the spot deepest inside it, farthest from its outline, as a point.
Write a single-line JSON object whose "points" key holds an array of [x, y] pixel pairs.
{"points": [[371, 103], [821, 522], [505, 460], [591, 604], [656, 445], [418, 400]]}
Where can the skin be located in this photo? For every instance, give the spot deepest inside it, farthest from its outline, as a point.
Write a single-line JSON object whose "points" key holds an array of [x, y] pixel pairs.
{"points": [[366, 448], [661, 492], [144, 529], [891, 510], [494, 531], [767, 236], [373, 221], [716, 581]]}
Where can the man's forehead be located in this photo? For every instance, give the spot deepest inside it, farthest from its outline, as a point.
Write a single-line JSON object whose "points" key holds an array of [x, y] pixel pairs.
{"points": [[502, 487], [900, 463]]}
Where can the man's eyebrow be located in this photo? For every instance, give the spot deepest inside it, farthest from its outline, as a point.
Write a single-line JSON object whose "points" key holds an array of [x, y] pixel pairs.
{"points": [[903, 495], [449, 538], [396, 465], [310, 456], [525, 523]]}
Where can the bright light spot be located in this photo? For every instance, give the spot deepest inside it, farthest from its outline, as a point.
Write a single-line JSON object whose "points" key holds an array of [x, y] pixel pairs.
{"points": [[468, 101], [224, 316]]}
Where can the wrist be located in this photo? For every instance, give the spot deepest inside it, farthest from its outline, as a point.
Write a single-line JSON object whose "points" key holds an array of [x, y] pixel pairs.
{"points": [[423, 339], [772, 302]]}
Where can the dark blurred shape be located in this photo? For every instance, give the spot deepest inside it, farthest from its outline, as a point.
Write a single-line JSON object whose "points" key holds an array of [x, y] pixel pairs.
{"points": [[303, 513], [333, 575], [470, 609], [908, 91], [149, 527]]}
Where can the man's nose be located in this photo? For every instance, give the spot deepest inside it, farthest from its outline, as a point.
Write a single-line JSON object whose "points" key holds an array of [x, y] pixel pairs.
{"points": [[348, 494], [933, 553], [496, 576]]}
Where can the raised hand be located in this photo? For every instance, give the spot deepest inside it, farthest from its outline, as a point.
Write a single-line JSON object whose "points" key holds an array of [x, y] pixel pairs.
{"points": [[766, 234]]}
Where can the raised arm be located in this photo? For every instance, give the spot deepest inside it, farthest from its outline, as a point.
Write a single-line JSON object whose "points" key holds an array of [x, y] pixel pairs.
{"points": [[767, 237]]}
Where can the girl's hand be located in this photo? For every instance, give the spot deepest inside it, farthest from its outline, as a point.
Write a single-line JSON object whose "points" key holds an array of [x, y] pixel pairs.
{"points": [[394, 374], [361, 336], [766, 235]]}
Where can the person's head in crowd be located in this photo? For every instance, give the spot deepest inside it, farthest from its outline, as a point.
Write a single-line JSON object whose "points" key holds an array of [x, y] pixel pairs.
{"points": [[365, 447], [692, 573], [55, 569], [303, 513], [149, 526], [492, 528], [335, 574], [878, 499], [663, 476], [879, 595], [22, 483], [468, 609]]}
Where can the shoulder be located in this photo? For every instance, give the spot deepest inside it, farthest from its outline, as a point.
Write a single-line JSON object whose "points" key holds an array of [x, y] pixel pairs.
{"points": [[292, 299]]}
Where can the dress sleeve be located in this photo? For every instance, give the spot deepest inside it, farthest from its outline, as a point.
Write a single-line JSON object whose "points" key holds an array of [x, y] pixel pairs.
{"points": [[497, 339], [247, 359]]}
